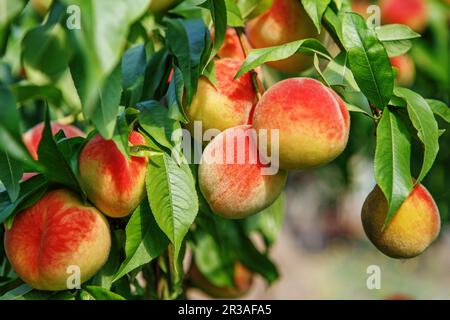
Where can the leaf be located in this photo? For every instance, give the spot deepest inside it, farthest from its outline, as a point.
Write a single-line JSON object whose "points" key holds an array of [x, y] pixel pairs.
{"points": [[315, 10], [439, 108], [25, 92], [269, 221], [392, 161], [218, 11], [257, 57], [396, 38], [99, 293], [107, 108], [154, 74], [154, 119], [10, 174], [173, 198], [368, 60], [186, 41], [133, 70], [423, 120], [217, 267], [31, 191], [144, 240], [234, 18], [56, 166], [16, 292]]}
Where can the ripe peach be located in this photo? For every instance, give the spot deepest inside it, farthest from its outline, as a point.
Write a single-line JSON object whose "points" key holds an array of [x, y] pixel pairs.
{"points": [[412, 228], [113, 183], [413, 13], [243, 280], [360, 7], [284, 22], [227, 105], [406, 70], [161, 5], [231, 175], [231, 47], [312, 121], [33, 136], [55, 233]]}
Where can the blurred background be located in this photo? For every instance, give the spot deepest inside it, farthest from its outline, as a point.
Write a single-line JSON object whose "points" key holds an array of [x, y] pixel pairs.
{"points": [[322, 251]]}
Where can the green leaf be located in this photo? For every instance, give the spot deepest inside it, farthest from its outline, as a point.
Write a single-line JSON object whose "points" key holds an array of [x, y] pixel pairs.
{"points": [[10, 174], [234, 18], [257, 57], [133, 70], [154, 119], [10, 9], [269, 221], [31, 191], [45, 48], [315, 10], [439, 108], [56, 166], [99, 293], [155, 72], [173, 198], [144, 240], [368, 60], [423, 120], [392, 160], [396, 38], [218, 11], [25, 92], [16, 293], [175, 97], [186, 41], [107, 108]]}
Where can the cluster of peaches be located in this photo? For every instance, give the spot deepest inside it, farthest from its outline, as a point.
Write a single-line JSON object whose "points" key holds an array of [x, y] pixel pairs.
{"points": [[313, 127]]}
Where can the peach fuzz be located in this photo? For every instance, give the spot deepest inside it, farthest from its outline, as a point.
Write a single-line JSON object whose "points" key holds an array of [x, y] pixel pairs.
{"points": [[33, 136], [55, 233], [412, 13], [406, 70], [412, 228], [114, 184], [236, 187], [228, 104], [284, 22], [243, 280], [312, 121]]}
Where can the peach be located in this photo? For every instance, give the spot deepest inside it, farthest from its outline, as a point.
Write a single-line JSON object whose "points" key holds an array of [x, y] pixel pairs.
{"points": [[114, 184], [413, 13], [243, 280], [312, 121], [412, 228], [231, 47], [227, 105], [41, 6], [284, 22], [231, 175], [54, 234], [159, 6], [406, 70], [360, 7], [33, 136]]}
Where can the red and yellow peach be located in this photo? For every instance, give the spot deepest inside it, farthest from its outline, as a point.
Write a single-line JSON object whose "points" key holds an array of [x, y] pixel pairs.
{"points": [[228, 104], [406, 70], [411, 229], [231, 175], [413, 13], [284, 22], [54, 234], [312, 121], [114, 184]]}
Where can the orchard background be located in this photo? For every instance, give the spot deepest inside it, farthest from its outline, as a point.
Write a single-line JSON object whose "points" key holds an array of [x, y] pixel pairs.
{"points": [[94, 204]]}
